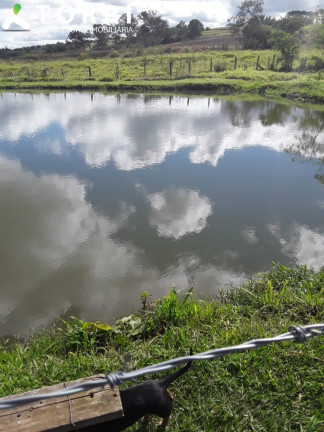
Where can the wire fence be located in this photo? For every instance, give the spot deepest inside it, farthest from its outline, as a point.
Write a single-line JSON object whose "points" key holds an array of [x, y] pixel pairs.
{"points": [[299, 334]]}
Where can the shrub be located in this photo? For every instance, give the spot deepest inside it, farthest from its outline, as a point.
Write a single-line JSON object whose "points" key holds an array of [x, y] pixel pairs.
{"points": [[114, 54], [220, 67], [83, 56]]}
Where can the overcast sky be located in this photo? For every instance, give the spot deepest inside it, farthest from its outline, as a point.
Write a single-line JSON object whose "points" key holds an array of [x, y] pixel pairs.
{"points": [[51, 27]]}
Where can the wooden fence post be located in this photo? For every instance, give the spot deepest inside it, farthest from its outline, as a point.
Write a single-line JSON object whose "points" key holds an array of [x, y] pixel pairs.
{"points": [[144, 65], [117, 72], [235, 62], [170, 67], [62, 71], [277, 62], [211, 65], [257, 63], [90, 73], [303, 64]]}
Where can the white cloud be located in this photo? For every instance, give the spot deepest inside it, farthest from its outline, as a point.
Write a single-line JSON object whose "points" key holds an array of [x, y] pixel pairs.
{"points": [[304, 244], [212, 13], [308, 246], [68, 257], [178, 212], [141, 133], [250, 236]]}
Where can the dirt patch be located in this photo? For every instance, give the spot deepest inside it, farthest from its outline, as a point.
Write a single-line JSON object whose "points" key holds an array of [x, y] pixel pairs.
{"points": [[224, 42]]}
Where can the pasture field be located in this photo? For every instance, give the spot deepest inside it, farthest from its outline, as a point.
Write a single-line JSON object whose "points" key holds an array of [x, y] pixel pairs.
{"points": [[224, 72]]}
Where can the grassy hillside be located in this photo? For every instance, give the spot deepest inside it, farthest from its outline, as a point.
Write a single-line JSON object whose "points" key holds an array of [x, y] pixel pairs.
{"points": [[150, 67], [274, 388], [213, 71]]}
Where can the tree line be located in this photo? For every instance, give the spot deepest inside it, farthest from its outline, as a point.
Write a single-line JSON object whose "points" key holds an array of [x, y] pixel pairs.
{"points": [[284, 34], [256, 30], [148, 28]]}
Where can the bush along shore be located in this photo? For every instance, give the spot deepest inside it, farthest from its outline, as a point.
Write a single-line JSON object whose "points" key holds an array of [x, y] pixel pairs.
{"points": [[215, 72], [279, 387]]}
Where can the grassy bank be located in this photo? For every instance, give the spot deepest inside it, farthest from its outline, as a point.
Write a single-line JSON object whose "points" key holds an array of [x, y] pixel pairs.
{"points": [[277, 388], [212, 71]]}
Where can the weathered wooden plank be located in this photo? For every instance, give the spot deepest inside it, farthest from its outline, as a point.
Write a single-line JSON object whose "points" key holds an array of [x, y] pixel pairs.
{"points": [[55, 415]]}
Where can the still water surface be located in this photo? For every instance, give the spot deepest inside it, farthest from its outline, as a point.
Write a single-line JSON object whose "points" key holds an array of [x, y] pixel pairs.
{"points": [[105, 196]]}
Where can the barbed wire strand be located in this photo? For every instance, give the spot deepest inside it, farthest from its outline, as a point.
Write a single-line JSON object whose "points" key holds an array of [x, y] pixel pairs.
{"points": [[299, 334]]}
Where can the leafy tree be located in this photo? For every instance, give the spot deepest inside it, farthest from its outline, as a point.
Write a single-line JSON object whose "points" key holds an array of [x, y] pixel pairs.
{"points": [[78, 39], [101, 36], [168, 35], [55, 48], [293, 23], [317, 36], [256, 34], [144, 35], [153, 25], [249, 9], [287, 45], [181, 31], [298, 13], [122, 22], [195, 27]]}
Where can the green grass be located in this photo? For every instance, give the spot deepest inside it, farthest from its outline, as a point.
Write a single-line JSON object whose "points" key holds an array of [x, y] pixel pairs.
{"points": [[274, 388], [190, 71]]}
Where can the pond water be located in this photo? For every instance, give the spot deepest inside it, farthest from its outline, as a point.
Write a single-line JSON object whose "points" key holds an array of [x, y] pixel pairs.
{"points": [[103, 197]]}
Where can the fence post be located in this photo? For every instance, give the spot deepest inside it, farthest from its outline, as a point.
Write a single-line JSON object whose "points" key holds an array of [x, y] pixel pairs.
{"points": [[144, 65], [211, 65], [189, 66], [235, 62], [257, 63], [170, 66], [62, 71], [303, 64], [90, 73], [117, 72], [277, 62]]}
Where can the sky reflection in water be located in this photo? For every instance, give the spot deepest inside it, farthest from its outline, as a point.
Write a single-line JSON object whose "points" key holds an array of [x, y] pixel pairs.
{"points": [[106, 196]]}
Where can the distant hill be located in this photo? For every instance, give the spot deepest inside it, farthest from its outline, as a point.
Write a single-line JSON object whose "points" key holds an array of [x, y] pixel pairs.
{"points": [[218, 39]]}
